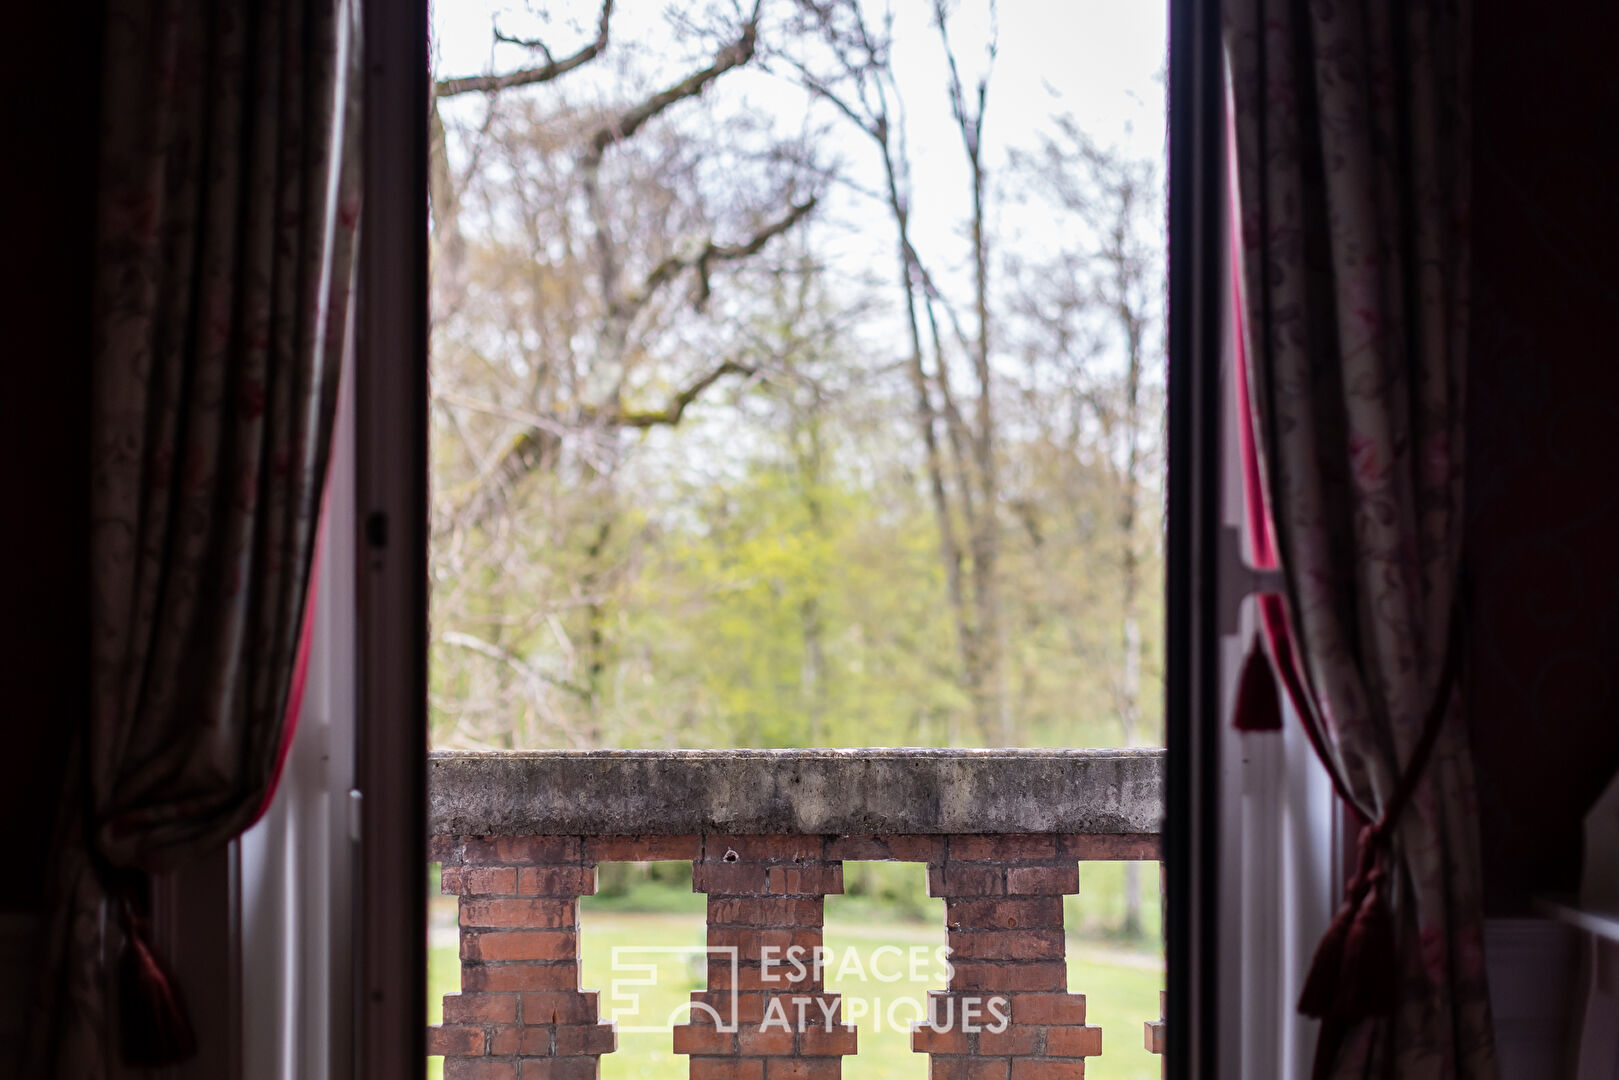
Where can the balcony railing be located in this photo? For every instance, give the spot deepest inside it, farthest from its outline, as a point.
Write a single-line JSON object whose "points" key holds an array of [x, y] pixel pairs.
{"points": [[1002, 832]]}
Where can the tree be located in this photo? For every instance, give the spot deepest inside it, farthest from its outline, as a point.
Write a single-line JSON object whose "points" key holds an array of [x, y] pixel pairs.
{"points": [[581, 248], [851, 70], [1108, 298]]}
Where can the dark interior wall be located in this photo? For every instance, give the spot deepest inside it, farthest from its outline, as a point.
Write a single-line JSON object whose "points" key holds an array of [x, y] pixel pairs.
{"points": [[47, 185], [1544, 437], [1544, 530]]}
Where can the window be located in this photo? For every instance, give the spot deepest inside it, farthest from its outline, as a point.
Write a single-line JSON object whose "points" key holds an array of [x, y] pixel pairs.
{"points": [[391, 397], [798, 381]]}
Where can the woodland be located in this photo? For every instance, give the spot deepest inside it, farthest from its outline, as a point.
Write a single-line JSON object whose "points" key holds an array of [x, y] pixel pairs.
{"points": [[754, 425]]}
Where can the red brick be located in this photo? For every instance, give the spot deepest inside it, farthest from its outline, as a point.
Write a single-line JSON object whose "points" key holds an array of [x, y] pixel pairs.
{"points": [[474, 1069], [750, 942], [923, 849], [820, 1008], [786, 911], [575, 1040], [520, 850], [505, 1041], [932, 1040], [1003, 847], [519, 945], [538, 1040], [1047, 1069], [778, 978], [751, 1006], [764, 848], [1063, 1008], [1073, 1041], [570, 1068], [600, 849], [562, 1007], [557, 881], [531, 914], [1026, 975], [722, 1068], [495, 978], [1042, 880], [1153, 1036], [480, 1008], [950, 1067], [949, 1010], [730, 878], [703, 1039], [818, 1040], [772, 1041], [803, 1069], [454, 1040], [748, 1008], [815, 880], [1007, 944], [1031, 912], [443, 849], [1117, 847], [1011, 1040], [966, 879], [478, 880]]}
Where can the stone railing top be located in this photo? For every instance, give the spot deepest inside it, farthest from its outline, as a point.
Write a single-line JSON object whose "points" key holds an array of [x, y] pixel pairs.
{"points": [[807, 792]]}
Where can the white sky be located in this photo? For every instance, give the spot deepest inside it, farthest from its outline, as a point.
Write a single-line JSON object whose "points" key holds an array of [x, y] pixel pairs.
{"points": [[1102, 60]]}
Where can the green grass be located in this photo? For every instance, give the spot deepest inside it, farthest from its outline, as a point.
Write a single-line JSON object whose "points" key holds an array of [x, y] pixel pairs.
{"points": [[1121, 987]]}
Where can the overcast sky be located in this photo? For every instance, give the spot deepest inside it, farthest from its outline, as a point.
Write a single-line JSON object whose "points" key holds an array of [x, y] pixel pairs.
{"points": [[1102, 60]]}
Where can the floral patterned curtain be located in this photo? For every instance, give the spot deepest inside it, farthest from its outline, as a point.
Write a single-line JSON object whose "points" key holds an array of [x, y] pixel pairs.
{"points": [[229, 200], [1352, 159]]}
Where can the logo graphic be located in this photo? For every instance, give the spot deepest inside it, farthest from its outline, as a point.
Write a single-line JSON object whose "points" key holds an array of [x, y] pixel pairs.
{"points": [[787, 976], [630, 977]]}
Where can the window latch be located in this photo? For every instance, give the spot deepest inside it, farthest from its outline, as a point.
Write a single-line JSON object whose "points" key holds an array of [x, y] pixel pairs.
{"points": [[1240, 580]]}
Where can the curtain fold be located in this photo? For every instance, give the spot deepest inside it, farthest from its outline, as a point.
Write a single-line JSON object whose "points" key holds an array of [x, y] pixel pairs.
{"points": [[1352, 160], [228, 207]]}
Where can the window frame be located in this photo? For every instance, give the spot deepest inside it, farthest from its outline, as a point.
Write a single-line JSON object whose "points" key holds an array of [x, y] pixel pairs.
{"points": [[391, 402], [390, 513], [1192, 834]]}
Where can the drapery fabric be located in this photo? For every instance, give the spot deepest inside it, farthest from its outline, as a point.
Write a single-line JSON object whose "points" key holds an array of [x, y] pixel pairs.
{"points": [[228, 206], [1352, 158]]}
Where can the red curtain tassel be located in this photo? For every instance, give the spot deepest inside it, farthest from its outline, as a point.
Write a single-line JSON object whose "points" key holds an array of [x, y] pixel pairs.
{"points": [[1259, 707], [1353, 973], [153, 1020]]}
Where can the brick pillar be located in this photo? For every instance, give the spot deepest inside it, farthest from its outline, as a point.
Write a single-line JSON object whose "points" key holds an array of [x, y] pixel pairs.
{"points": [[1007, 1014], [766, 897], [1155, 1031], [520, 1014]]}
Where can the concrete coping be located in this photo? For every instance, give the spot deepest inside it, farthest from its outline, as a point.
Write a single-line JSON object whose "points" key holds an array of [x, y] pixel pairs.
{"points": [[901, 791]]}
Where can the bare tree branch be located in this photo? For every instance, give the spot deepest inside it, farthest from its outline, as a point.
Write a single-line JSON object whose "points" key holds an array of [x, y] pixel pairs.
{"points": [[510, 659], [711, 253], [628, 122], [671, 413], [546, 72]]}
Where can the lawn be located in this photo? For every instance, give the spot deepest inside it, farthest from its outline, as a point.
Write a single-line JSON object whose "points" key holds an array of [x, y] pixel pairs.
{"points": [[1121, 987]]}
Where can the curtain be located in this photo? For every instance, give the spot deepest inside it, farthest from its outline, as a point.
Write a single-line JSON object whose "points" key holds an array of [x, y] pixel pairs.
{"points": [[1352, 158], [228, 206]]}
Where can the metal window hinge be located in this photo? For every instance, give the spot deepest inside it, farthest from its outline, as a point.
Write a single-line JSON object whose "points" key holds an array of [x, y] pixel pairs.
{"points": [[1239, 580], [356, 804]]}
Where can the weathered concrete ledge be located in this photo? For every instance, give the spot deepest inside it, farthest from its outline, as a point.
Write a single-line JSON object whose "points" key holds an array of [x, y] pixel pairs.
{"points": [[808, 792]]}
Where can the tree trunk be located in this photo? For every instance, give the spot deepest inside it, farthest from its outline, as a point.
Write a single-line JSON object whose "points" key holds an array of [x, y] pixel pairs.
{"points": [[1130, 570], [949, 550]]}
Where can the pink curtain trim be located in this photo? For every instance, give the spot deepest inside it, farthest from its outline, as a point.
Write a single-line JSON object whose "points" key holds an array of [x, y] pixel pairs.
{"points": [[300, 670]]}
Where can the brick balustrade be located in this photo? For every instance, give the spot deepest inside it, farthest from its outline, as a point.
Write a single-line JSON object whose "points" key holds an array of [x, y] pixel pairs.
{"points": [[520, 836]]}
